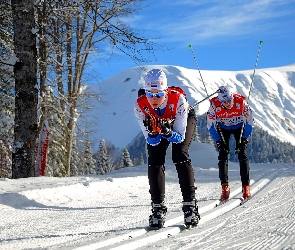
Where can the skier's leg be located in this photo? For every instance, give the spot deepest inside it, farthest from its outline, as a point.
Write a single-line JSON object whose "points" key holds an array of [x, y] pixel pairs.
{"points": [[156, 176], [156, 171], [223, 157], [180, 157], [243, 160]]}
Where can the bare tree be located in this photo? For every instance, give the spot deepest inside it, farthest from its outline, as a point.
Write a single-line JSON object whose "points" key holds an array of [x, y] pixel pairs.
{"points": [[26, 90], [69, 31]]}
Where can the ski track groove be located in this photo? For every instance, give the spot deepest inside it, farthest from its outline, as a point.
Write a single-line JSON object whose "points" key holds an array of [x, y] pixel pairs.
{"points": [[144, 240], [281, 235], [66, 237], [218, 240]]}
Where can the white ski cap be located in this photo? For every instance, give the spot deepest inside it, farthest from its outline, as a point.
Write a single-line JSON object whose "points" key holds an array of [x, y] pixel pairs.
{"points": [[155, 79], [225, 94]]}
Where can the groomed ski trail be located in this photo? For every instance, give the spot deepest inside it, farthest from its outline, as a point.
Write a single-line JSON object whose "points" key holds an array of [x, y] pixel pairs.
{"points": [[139, 237], [236, 228]]}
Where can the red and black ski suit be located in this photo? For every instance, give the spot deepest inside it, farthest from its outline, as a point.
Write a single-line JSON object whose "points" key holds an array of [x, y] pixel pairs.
{"points": [[175, 107]]}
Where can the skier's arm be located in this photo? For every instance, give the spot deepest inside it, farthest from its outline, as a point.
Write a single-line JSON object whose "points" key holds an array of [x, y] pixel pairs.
{"points": [[180, 122], [212, 125], [248, 120], [140, 118]]}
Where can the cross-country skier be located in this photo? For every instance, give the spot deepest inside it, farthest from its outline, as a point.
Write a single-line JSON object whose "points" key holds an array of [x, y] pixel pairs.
{"points": [[164, 117], [229, 114]]}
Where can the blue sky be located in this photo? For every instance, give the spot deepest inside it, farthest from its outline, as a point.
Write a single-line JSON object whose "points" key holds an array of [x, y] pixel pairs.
{"points": [[225, 35]]}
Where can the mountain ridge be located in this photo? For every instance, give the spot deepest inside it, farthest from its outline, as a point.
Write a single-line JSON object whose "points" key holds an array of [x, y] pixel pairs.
{"points": [[272, 98]]}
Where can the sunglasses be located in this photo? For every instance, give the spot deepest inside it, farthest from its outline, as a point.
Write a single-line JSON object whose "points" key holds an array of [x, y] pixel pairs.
{"points": [[228, 99], [158, 94]]}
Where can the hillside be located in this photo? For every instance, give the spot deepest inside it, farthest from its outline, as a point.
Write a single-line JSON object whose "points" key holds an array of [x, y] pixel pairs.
{"points": [[272, 99]]}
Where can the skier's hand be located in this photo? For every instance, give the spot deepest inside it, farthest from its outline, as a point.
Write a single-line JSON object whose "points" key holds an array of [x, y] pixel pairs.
{"points": [[245, 141], [219, 144], [166, 129], [222, 146], [243, 144], [152, 125]]}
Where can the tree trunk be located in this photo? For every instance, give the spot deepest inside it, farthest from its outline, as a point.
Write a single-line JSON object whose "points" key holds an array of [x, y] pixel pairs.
{"points": [[43, 57], [26, 90]]}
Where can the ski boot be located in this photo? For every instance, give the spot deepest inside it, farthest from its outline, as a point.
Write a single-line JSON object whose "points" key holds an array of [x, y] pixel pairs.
{"points": [[191, 213], [246, 191], [225, 192], [158, 216]]}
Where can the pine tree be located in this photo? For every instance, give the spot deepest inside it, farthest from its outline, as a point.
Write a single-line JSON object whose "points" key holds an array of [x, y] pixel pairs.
{"points": [[75, 160], [141, 160], [125, 159], [103, 160], [5, 160], [196, 135], [89, 162]]}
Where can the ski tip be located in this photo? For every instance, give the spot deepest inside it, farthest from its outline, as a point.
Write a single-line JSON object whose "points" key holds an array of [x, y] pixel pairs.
{"points": [[221, 201], [186, 228], [243, 200]]}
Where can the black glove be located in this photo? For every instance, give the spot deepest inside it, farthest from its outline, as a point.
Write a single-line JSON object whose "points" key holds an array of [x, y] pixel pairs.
{"points": [[242, 144], [166, 129], [245, 141], [221, 146], [152, 125]]}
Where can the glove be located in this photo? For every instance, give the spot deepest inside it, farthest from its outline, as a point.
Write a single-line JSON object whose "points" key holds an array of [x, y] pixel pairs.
{"points": [[221, 146], [242, 144], [152, 125], [245, 141], [165, 128]]}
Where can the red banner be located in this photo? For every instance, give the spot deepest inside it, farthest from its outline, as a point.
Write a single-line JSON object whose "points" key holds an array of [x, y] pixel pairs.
{"points": [[42, 149]]}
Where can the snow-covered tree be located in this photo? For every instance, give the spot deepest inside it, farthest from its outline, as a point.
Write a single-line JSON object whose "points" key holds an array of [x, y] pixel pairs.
{"points": [[125, 159], [75, 160], [88, 161], [196, 136], [103, 160], [5, 160], [141, 160]]}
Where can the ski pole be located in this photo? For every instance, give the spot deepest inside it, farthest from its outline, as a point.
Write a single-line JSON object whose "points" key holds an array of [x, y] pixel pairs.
{"points": [[260, 43], [191, 47], [196, 104], [258, 53], [208, 96]]}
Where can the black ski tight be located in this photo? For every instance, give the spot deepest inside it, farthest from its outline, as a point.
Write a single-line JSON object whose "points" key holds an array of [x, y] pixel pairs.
{"points": [[180, 157], [242, 156]]}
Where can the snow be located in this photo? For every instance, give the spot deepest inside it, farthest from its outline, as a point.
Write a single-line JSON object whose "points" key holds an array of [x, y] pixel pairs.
{"points": [[111, 211], [272, 99]]}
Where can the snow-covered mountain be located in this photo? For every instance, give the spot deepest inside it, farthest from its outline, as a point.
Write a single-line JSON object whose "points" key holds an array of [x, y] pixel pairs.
{"points": [[272, 99]]}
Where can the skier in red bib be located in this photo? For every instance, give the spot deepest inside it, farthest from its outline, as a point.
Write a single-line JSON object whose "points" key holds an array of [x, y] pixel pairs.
{"points": [[164, 117], [229, 114]]}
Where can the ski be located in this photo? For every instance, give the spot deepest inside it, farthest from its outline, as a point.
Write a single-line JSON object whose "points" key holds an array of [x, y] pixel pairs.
{"points": [[186, 228], [153, 229], [244, 200], [221, 202]]}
